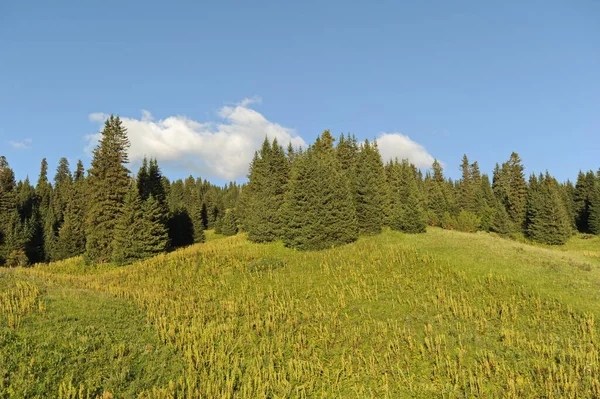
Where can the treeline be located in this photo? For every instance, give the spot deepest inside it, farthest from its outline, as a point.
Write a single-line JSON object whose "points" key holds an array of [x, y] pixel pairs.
{"points": [[314, 198], [328, 194], [106, 214]]}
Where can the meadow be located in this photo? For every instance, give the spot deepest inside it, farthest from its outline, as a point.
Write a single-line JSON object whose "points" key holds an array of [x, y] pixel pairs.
{"points": [[442, 314]]}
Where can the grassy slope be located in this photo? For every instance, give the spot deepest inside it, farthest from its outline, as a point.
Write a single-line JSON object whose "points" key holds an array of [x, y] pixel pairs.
{"points": [[443, 314], [74, 337]]}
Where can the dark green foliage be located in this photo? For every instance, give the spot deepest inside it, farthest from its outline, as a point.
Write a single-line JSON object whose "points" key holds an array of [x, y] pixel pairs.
{"points": [[500, 221], [198, 223], [406, 210], [268, 177], [318, 205], [154, 235], [585, 189], [140, 232], [181, 228], [594, 216], [510, 188], [438, 195], [126, 245], [108, 183], [71, 235], [485, 202], [467, 187], [547, 218], [370, 190], [228, 224]]}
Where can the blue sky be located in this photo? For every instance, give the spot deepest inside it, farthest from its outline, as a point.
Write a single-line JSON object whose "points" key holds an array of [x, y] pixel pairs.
{"points": [[440, 78]]}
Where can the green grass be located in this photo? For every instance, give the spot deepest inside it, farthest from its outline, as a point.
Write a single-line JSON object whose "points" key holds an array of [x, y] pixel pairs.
{"points": [[443, 314], [81, 340]]}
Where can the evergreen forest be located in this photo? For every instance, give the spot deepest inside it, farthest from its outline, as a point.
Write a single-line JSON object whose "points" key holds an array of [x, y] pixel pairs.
{"points": [[313, 198]]}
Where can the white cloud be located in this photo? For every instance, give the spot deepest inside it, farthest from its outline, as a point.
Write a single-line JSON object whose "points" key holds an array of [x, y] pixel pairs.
{"points": [[21, 145], [397, 145], [221, 149]]}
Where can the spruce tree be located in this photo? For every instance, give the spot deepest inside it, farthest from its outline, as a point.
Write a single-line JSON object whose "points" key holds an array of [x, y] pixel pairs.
{"points": [[108, 183], [582, 197], [547, 219], [197, 223], [594, 213], [318, 205], [47, 219], [268, 178], [466, 187], [154, 235], [71, 235], [500, 221], [126, 246], [228, 224], [8, 208], [370, 195], [517, 190], [406, 210]]}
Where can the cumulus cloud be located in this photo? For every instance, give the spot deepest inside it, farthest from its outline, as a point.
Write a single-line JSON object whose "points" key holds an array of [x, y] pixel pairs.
{"points": [[398, 145], [220, 149], [21, 145]]}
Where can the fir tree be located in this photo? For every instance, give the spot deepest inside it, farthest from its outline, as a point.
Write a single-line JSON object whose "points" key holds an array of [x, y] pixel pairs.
{"points": [[500, 221], [126, 245], [268, 178], [198, 223], [71, 235], [154, 235], [406, 213], [594, 213], [108, 183], [370, 195], [466, 187], [585, 189], [318, 206], [547, 220], [228, 224]]}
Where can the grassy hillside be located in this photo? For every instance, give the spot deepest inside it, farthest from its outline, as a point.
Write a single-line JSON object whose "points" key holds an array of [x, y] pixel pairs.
{"points": [[443, 314]]}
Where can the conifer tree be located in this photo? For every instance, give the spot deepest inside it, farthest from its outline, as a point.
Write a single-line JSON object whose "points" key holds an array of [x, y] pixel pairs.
{"points": [[370, 195], [466, 187], [198, 223], [228, 224], [500, 221], [154, 235], [318, 205], [268, 178], [406, 210], [62, 186], [8, 204], [584, 191], [485, 202], [517, 190], [108, 183], [438, 201], [71, 235], [47, 219], [126, 245], [594, 213], [547, 220]]}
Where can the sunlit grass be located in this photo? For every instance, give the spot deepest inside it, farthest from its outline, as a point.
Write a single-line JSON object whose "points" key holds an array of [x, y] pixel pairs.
{"points": [[443, 314]]}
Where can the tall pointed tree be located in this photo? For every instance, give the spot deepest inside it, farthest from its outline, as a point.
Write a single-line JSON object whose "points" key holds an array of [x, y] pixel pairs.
{"points": [[370, 190], [71, 235], [318, 205], [268, 178], [108, 182]]}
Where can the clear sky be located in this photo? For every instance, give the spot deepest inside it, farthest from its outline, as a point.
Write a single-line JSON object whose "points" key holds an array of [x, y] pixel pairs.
{"points": [[200, 83]]}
